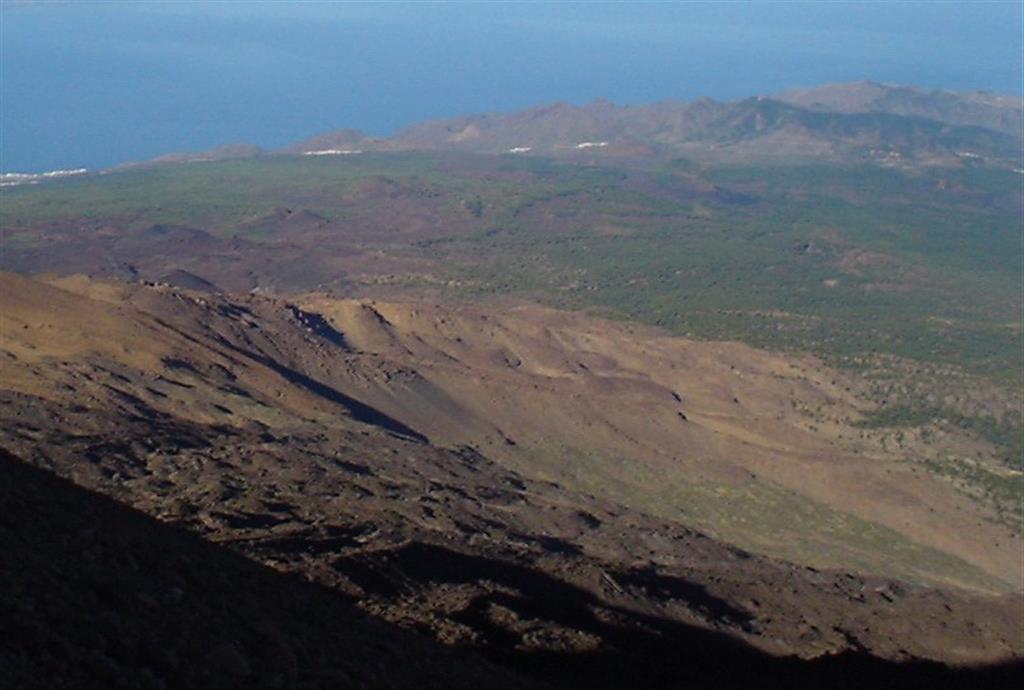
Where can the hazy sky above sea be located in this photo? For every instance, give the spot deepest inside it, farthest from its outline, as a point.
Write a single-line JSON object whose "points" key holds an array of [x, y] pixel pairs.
{"points": [[94, 84]]}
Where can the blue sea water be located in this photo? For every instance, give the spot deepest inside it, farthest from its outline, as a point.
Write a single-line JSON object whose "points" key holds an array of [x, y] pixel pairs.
{"points": [[94, 84]]}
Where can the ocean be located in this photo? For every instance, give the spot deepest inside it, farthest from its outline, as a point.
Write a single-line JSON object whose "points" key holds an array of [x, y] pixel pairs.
{"points": [[96, 84]]}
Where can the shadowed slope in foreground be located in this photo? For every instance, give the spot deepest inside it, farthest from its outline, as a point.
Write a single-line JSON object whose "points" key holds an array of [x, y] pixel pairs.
{"points": [[99, 595], [96, 594], [178, 405]]}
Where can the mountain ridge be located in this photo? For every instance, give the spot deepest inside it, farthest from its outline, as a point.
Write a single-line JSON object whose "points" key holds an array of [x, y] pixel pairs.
{"points": [[825, 122]]}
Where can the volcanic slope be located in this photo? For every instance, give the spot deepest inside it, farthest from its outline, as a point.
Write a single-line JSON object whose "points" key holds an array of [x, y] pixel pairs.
{"points": [[324, 438], [758, 449], [715, 435], [97, 595]]}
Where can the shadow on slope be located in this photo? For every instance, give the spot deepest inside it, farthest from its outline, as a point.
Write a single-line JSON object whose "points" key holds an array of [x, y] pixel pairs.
{"points": [[96, 594], [360, 411], [636, 650]]}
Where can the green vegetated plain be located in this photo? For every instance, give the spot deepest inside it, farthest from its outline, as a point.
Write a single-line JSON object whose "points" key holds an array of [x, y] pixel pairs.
{"points": [[876, 269], [212, 195]]}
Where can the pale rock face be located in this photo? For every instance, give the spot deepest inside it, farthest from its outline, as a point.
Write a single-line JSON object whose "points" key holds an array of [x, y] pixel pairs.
{"points": [[332, 152], [13, 179]]}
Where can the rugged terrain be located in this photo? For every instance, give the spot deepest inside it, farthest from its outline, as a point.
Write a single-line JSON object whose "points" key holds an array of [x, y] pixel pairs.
{"points": [[700, 394], [99, 595], [907, 278], [295, 434]]}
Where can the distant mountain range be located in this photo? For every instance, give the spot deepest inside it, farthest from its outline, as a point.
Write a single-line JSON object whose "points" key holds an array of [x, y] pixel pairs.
{"points": [[860, 121], [867, 120], [998, 112]]}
